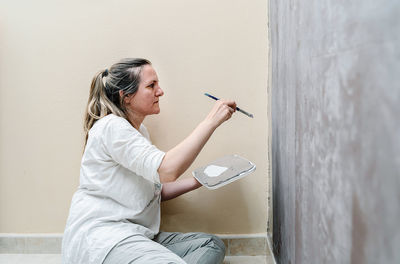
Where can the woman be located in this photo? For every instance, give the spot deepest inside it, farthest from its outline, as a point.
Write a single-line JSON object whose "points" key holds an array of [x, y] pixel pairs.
{"points": [[115, 213]]}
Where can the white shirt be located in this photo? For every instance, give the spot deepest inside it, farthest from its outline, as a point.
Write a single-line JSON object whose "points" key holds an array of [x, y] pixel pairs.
{"points": [[119, 193]]}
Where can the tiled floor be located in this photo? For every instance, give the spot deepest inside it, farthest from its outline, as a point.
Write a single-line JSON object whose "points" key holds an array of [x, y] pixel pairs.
{"points": [[248, 260], [56, 259], [30, 258]]}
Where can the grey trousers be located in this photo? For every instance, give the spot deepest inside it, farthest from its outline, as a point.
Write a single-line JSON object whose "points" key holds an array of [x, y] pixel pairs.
{"points": [[165, 248]]}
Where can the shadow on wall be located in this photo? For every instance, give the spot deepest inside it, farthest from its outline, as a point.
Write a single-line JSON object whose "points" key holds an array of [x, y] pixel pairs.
{"points": [[359, 233], [186, 211]]}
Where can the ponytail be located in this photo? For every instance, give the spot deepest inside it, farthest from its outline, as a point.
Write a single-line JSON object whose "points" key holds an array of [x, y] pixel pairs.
{"points": [[98, 104]]}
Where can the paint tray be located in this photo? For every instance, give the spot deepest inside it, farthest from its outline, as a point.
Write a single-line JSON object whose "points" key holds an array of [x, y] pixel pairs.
{"points": [[223, 171]]}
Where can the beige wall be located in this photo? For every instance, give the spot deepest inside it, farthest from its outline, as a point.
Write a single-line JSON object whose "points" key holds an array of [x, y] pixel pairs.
{"points": [[49, 51]]}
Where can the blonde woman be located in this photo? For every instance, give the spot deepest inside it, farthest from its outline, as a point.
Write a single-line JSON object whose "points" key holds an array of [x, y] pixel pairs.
{"points": [[115, 213]]}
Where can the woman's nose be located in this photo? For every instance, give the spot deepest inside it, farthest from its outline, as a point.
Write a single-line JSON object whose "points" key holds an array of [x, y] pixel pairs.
{"points": [[159, 92]]}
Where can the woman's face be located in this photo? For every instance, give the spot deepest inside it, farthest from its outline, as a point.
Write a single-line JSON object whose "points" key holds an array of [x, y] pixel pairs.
{"points": [[146, 99]]}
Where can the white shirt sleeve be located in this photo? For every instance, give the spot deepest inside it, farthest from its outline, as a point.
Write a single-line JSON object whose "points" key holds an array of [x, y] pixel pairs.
{"points": [[131, 149]]}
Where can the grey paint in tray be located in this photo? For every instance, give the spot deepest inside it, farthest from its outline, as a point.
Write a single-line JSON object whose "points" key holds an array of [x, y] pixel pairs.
{"points": [[223, 171]]}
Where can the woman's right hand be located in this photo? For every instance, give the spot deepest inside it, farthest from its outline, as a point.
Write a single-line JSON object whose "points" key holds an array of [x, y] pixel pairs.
{"points": [[177, 160], [222, 111]]}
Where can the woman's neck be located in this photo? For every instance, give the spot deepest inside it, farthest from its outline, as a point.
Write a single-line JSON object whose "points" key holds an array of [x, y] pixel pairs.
{"points": [[135, 120]]}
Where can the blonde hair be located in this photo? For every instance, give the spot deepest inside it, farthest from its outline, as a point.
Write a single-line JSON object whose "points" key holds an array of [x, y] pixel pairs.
{"points": [[104, 96]]}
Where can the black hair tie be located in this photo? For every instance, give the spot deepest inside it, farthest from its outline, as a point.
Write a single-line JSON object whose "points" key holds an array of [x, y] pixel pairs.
{"points": [[105, 73]]}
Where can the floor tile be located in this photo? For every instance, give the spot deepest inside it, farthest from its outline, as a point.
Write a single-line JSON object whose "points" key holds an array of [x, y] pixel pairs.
{"points": [[56, 259]]}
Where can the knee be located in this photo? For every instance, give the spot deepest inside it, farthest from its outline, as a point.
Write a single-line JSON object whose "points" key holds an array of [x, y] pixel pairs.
{"points": [[220, 244], [216, 243], [217, 246]]}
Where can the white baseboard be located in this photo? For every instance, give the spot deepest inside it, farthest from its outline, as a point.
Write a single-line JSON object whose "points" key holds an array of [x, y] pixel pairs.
{"points": [[30, 243], [236, 244]]}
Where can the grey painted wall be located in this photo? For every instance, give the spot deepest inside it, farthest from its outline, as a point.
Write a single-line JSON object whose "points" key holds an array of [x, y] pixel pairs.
{"points": [[336, 131]]}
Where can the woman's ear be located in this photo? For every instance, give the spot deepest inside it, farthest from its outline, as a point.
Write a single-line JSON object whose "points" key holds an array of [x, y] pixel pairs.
{"points": [[127, 98]]}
